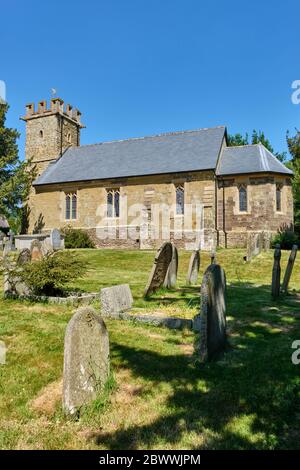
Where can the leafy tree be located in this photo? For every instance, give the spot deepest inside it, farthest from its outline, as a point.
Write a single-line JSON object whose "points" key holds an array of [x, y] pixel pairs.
{"points": [[256, 138], [15, 179], [294, 149]]}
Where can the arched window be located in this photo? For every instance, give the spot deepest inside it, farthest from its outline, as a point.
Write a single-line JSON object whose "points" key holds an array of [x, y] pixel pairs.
{"points": [[179, 200], [71, 206], [68, 206], [41, 134], [278, 197], [113, 202], [243, 203], [74, 206], [69, 137]]}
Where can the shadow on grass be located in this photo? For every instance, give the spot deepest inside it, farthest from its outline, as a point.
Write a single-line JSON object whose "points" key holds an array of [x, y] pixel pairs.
{"points": [[247, 400]]}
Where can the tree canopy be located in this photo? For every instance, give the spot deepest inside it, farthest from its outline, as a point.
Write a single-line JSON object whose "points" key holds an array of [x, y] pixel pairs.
{"points": [[15, 179]]}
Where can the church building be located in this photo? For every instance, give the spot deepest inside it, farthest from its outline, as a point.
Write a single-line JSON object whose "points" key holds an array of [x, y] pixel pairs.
{"points": [[207, 192]]}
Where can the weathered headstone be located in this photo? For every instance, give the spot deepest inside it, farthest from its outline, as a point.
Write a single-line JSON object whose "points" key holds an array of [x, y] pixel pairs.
{"points": [[171, 276], [86, 359], [211, 323], [115, 299], [24, 257], [55, 239], [276, 273], [289, 269], [36, 250], [160, 267], [194, 266]]}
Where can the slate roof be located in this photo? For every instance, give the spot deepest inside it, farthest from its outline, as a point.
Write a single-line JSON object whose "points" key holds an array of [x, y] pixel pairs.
{"points": [[249, 159], [165, 153]]}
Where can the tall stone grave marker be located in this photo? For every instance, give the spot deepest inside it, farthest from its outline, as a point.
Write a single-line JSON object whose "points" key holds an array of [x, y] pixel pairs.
{"points": [[194, 266], [289, 269], [276, 273], [36, 250], [55, 239], [86, 359], [211, 322], [171, 276], [159, 269]]}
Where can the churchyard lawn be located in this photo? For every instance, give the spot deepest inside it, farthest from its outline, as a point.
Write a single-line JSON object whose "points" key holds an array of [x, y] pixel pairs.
{"points": [[158, 397]]}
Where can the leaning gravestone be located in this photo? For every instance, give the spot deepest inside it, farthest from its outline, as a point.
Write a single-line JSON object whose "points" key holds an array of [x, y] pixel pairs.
{"points": [[171, 276], [115, 299], [211, 323], [86, 359], [160, 267], [36, 250], [194, 267], [55, 239], [289, 269], [276, 273]]}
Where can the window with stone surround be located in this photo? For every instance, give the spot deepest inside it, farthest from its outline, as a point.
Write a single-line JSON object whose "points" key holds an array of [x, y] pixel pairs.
{"points": [[180, 199], [71, 206], [113, 202], [243, 202], [278, 197]]}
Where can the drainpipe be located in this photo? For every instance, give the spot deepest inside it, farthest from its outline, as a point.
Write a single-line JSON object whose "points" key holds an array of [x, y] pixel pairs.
{"points": [[216, 209], [224, 214]]}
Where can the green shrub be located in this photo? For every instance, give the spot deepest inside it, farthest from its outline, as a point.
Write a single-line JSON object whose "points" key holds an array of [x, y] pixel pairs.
{"points": [[51, 274], [77, 238], [285, 239]]}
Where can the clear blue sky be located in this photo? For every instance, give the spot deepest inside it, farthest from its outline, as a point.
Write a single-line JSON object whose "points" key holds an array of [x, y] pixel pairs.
{"points": [[141, 67]]}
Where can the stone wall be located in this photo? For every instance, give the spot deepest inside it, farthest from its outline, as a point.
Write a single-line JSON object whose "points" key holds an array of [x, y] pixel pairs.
{"points": [[49, 204], [261, 213]]}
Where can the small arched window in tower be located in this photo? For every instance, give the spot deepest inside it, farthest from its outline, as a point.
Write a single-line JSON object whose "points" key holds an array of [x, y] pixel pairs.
{"points": [[278, 197], [41, 134], [69, 137], [243, 203]]}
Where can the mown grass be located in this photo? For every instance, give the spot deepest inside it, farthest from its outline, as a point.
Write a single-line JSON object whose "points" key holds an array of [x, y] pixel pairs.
{"points": [[159, 397]]}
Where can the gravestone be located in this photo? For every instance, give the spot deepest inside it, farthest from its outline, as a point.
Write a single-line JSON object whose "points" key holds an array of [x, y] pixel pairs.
{"points": [[24, 257], [86, 359], [194, 267], [36, 250], [171, 276], [55, 239], [211, 322], [115, 299], [7, 246], [159, 269], [276, 273], [289, 269]]}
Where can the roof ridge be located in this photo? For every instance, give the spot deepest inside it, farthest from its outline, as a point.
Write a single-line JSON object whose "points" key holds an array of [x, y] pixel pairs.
{"points": [[246, 145], [151, 136]]}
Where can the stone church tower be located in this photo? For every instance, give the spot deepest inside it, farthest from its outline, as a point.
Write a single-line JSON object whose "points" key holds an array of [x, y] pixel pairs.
{"points": [[49, 133]]}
